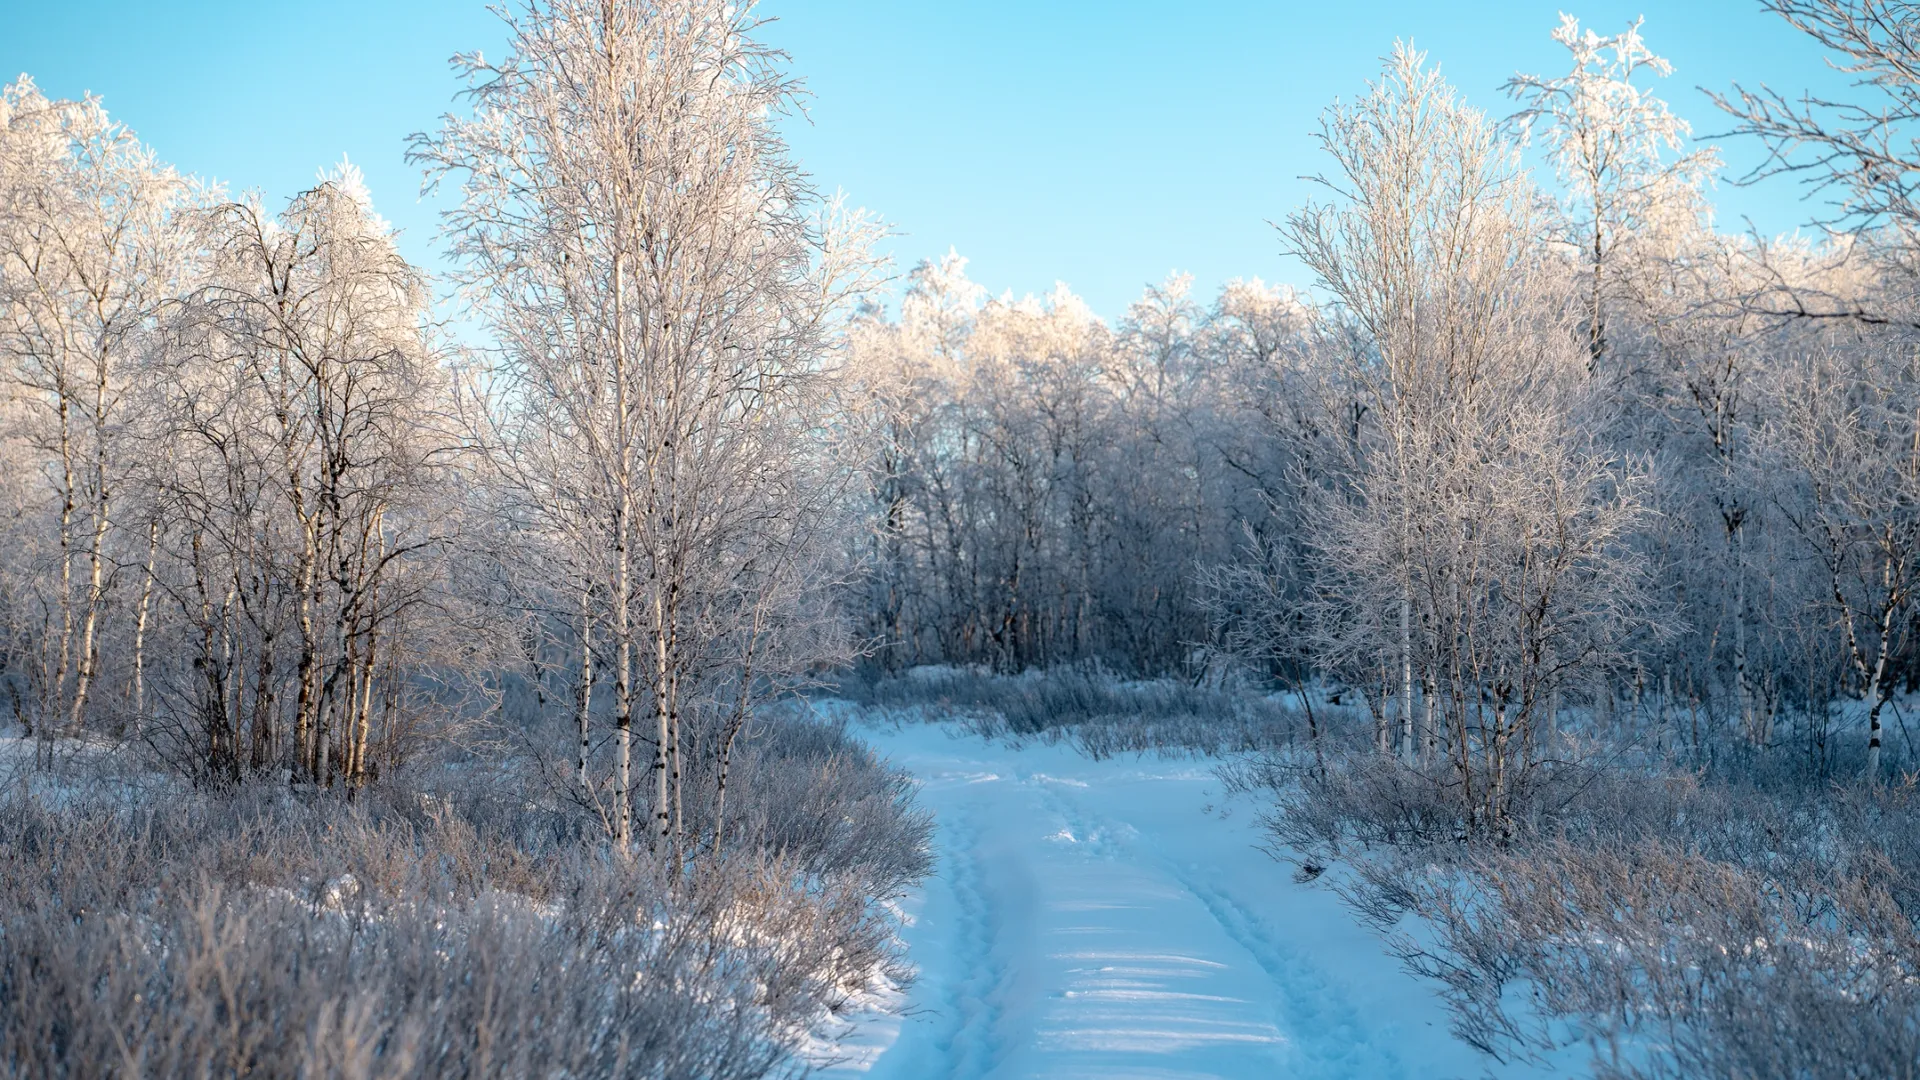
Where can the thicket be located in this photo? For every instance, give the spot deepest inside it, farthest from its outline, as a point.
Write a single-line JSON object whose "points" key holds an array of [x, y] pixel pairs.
{"points": [[396, 707], [1602, 522], [1562, 446]]}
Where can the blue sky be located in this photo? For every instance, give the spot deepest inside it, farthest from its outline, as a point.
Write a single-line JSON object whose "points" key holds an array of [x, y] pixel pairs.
{"points": [[1100, 144]]}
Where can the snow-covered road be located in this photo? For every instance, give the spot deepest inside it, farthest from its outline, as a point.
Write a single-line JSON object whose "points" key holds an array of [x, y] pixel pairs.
{"points": [[1115, 919]]}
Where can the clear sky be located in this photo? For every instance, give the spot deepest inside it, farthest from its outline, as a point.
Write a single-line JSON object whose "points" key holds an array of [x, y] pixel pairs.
{"points": [[1104, 144]]}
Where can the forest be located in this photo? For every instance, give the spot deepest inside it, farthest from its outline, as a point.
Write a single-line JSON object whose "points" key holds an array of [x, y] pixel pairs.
{"points": [[420, 673]]}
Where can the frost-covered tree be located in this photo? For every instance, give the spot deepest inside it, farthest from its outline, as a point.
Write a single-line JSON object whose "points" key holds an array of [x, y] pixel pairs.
{"points": [[1045, 489], [663, 287], [89, 250], [1480, 539], [294, 465], [1610, 141], [902, 371], [1846, 437]]}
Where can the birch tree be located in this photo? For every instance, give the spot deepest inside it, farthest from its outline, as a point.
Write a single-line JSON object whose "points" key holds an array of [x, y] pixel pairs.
{"points": [[1847, 436], [89, 249], [1609, 140], [1480, 515], [296, 413], [664, 287]]}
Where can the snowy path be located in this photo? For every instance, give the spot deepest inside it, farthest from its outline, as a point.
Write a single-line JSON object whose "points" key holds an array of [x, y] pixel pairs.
{"points": [[1113, 919]]}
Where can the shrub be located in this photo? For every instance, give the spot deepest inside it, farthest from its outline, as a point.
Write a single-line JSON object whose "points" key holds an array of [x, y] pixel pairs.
{"points": [[1097, 712], [1733, 921], [438, 924]]}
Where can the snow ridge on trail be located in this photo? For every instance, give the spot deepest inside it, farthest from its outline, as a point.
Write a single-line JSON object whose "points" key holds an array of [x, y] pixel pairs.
{"points": [[1114, 919]]}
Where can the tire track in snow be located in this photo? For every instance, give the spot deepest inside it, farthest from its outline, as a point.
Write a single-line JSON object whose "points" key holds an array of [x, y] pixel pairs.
{"points": [[972, 1046], [1087, 922], [1327, 1031]]}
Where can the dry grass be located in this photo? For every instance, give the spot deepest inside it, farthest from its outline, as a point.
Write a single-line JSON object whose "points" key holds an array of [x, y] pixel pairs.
{"points": [[1737, 921], [1094, 711], [445, 926]]}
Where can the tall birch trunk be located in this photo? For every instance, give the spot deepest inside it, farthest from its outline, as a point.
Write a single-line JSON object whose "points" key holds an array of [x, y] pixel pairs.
{"points": [[96, 586], [662, 723], [96, 557], [622, 579], [678, 845], [586, 684], [1428, 733], [67, 507], [1406, 675], [1876, 694], [141, 615]]}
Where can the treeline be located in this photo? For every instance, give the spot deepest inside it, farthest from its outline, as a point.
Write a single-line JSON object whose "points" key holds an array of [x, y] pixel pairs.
{"points": [[1046, 489], [231, 460], [369, 681], [1523, 452], [1532, 452], [264, 517]]}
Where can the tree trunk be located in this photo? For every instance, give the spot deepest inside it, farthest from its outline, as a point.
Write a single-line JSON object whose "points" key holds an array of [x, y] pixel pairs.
{"points": [[586, 684], [363, 723], [1596, 315], [622, 578], [720, 787], [1665, 736], [679, 816], [96, 571], [306, 734], [1876, 691], [1406, 675], [262, 751], [663, 722], [1429, 735], [140, 628], [622, 700], [1743, 689], [58, 690], [666, 686]]}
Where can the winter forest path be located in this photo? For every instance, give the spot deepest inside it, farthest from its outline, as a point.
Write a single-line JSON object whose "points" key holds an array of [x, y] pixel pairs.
{"points": [[1115, 919]]}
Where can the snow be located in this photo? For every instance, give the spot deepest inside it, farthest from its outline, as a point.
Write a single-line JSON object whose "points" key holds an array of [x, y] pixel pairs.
{"points": [[1116, 919]]}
